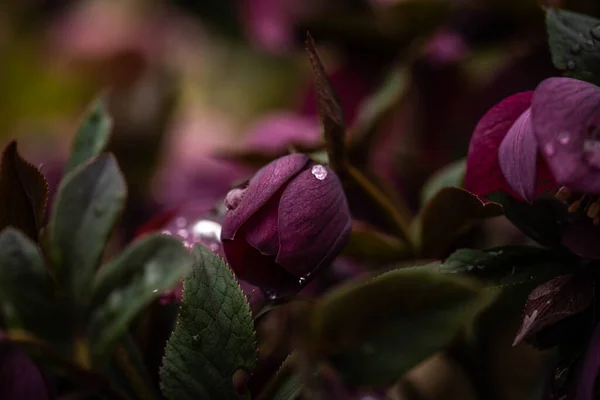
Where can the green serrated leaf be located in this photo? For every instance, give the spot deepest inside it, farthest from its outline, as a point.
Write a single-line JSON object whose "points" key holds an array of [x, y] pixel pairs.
{"points": [[88, 203], [23, 193], [127, 284], [452, 174], [92, 136], [509, 265], [448, 214], [375, 331], [574, 41], [27, 290], [214, 335]]}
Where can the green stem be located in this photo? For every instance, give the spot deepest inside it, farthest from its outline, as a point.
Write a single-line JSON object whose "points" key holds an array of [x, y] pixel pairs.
{"points": [[397, 213]]}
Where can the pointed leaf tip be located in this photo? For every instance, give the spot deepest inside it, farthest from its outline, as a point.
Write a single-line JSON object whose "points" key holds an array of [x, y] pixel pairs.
{"points": [[23, 193], [330, 109]]}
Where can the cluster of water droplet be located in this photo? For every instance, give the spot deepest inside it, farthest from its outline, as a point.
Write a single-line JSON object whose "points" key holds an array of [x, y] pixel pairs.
{"points": [[191, 231]]}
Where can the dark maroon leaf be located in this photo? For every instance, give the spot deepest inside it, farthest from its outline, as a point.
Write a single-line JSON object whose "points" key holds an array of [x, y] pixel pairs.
{"points": [[330, 110], [23, 193], [553, 301]]}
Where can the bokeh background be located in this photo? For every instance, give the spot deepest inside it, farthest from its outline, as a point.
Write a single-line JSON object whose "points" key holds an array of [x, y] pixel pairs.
{"points": [[202, 92]]}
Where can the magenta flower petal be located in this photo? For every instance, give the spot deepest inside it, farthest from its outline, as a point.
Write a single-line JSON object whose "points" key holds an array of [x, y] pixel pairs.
{"points": [[267, 181], [518, 155], [314, 219], [20, 378], [565, 116], [553, 301], [484, 175], [262, 230]]}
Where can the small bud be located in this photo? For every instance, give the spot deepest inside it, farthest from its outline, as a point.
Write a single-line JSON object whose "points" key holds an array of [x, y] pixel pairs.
{"points": [[292, 221]]}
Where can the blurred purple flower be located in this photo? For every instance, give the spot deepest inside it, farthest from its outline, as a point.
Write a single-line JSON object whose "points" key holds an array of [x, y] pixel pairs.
{"points": [[270, 23], [275, 133], [20, 378], [445, 47], [292, 220]]}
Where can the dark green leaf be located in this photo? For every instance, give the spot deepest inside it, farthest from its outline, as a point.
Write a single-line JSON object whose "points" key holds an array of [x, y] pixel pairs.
{"points": [[127, 284], [92, 136], [369, 245], [28, 296], [509, 265], [574, 41], [214, 335], [330, 111], [451, 212], [375, 331], [88, 203], [287, 384], [543, 221], [23, 193], [452, 174]]}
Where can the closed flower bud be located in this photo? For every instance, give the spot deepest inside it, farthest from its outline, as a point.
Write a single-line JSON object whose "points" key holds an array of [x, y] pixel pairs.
{"points": [[291, 220]]}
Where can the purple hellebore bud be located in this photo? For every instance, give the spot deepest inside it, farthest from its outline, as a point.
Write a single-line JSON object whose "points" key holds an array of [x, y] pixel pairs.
{"points": [[292, 220], [20, 378]]}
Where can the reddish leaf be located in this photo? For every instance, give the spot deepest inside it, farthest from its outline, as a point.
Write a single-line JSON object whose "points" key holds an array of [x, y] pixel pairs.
{"points": [[330, 110], [23, 193], [554, 301]]}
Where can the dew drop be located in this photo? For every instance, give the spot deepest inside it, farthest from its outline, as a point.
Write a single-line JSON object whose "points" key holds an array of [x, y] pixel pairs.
{"points": [[595, 32], [549, 149], [214, 247], [571, 65], [207, 229], [271, 295], [234, 198], [180, 222], [319, 171], [590, 43], [564, 137], [576, 48], [165, 232]]}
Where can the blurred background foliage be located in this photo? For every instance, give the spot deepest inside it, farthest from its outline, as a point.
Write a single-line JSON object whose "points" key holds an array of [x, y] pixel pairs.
{"points": [[204, 91]]}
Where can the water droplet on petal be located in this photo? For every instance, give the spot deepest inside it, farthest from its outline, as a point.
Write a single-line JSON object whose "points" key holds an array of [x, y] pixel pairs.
{"points": [[180, 222], [564, 137], [214, 247], [576, 48], [234, 198], [549, 149], [271, 295], [319, 171], [571, 65], [595, 32], [165, 232]]}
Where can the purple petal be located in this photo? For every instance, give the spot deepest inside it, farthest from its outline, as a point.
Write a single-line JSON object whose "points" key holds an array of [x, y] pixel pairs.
{"points": [[314, 221], [274, 134], [261, 228], [518, 156], [553, 301], [589, 370], [565, 117], [20, 378], [267, 181], [582, 238], [484, 175]]}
